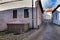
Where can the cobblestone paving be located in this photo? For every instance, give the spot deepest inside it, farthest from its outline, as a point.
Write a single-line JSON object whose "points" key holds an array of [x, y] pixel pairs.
{"points": [[48, 31], [51, 32], [11, 36]]}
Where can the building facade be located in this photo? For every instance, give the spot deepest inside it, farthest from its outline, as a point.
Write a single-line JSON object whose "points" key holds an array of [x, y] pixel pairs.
{"points": [[56, 15], [19, 10]]}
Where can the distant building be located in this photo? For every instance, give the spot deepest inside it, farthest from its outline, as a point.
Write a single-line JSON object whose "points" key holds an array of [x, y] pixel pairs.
{"points": [[48, 14], [20, 10], [56, 15]]}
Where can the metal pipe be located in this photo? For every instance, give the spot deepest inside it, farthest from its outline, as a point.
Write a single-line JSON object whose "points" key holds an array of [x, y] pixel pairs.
{"points": [[32, 15]]}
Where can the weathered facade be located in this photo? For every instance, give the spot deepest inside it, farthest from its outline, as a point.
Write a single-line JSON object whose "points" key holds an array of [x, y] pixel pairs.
{"points": [[56, 15], [39, 11], [6, 13]]}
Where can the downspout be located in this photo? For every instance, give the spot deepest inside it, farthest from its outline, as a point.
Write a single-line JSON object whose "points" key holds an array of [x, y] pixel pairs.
{"points": [[32, 16], [52, 17]]}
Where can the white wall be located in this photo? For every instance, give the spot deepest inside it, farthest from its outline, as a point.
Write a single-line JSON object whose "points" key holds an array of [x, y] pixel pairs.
{"points": [[56, 21], [21, 16], [47, 15], [2, 1], [7, 16]]}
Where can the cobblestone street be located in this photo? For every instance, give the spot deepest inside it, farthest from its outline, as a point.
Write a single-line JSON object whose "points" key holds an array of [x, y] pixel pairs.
{"points": [[50, 32]]}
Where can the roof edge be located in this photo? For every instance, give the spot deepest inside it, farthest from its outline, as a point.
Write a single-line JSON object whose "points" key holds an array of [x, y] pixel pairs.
{"points": [[56, 8]]}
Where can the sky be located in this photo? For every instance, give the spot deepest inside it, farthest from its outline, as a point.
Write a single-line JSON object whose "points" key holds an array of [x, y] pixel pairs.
{"points": [[50, 3]]}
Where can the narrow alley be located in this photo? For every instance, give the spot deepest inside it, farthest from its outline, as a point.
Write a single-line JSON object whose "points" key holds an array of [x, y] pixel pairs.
{"points": [[30, 20], [49, 32]]}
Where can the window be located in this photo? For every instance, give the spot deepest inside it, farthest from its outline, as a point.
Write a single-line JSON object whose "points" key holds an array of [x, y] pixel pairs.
{"points": [[56, 16], [26, 13], [14, 13]]}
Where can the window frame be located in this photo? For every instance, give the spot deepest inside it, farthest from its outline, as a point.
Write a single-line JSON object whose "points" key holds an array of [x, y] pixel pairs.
{"points": [[26, 13], [15, 13]]}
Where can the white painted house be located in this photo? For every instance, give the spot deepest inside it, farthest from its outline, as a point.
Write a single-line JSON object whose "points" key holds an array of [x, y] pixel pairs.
{"points": [[56, 15], [19, 10]]}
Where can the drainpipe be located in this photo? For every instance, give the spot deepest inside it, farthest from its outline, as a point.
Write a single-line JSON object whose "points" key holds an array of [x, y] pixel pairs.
{"points": [[52, 18], [32, 16]]}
